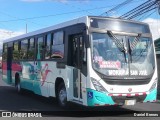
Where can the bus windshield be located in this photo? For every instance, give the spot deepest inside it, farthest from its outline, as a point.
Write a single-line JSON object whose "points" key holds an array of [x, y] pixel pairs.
{"points": [[122, 55]]}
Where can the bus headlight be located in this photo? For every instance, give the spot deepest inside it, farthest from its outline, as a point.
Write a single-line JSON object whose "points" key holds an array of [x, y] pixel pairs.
{"points": [[98, 86], [154, 85]]}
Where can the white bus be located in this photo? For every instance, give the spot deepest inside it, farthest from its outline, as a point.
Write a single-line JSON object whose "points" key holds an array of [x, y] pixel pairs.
{"points": [[92, 61]]}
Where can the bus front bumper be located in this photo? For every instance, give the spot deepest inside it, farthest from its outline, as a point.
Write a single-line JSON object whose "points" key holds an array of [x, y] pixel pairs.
{"points": [[96, 98]]}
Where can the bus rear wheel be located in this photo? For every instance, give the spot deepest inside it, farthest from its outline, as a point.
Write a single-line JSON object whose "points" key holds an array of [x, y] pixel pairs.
{"points": [[18, 85], [62, 95]]}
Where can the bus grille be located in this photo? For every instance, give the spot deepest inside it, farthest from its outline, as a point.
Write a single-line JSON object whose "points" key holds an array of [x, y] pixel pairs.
{"points": [[127, 81], [121, 99]]}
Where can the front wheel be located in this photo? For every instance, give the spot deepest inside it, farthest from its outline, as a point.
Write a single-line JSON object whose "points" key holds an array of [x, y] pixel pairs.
{"points": [[62, 95], [18, 86]]}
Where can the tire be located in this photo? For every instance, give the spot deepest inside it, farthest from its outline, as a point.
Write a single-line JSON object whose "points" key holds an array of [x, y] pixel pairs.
{"points": [[18, 85], [62, 95]]}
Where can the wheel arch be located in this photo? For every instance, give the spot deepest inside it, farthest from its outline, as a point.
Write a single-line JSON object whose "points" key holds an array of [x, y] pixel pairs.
{"points": [[58, 81]]}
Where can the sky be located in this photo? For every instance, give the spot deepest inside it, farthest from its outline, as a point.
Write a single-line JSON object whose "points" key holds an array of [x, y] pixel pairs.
{"points": [[15, 15]]}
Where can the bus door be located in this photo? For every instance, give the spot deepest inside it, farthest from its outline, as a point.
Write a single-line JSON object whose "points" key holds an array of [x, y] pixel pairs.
{"points": [[9, 64], [77, 49]]}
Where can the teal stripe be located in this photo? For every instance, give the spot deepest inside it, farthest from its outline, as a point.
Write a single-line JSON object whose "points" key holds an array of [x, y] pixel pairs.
{"points": [[100, 98], [151, 96], [9, 78]]}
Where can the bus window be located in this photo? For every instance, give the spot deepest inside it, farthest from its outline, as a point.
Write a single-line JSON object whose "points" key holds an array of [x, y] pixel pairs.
{"points": [[23, 51], [40, 47], [58, 45], [48, 46], [5, 52], [16, 51], [58, 38], [31, 49]]}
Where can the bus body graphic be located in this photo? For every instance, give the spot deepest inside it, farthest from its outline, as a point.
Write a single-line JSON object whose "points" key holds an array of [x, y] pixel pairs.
{"points": [[44, 73], [92, 61]]}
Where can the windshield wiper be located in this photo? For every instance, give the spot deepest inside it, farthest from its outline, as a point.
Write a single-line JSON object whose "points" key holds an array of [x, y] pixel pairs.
{"points": [[116, 41], [129, 50], [119, 45], [132, 45], [135, 41]]}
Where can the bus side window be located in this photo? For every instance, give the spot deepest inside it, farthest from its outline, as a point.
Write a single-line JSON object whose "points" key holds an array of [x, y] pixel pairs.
{"points": [[58, 45], [5, 51], [31, 49], [16, 51], [24, 49], [75, 52], [40, 47], [48, 46]]}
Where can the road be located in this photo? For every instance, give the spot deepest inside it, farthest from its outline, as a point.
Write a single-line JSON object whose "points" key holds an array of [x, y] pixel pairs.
{"points": [[10, 100]]}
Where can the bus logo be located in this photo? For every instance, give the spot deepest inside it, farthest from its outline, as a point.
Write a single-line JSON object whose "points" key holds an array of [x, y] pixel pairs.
{"points": [[90, 95], [130, 89]]}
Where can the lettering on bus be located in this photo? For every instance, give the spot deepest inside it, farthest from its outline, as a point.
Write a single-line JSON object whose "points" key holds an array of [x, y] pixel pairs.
{"points": [[110, 64], [126, 72]]}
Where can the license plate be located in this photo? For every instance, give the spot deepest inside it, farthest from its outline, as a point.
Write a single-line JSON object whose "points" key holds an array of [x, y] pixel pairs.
{"points": [[130, 102]]}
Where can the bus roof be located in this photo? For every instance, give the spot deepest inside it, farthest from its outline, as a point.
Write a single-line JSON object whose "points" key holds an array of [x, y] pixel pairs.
{"points": [[54, 27], [65, 24]]}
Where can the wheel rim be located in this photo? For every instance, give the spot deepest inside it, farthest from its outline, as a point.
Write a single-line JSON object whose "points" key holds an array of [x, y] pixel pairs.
{"points": [[62, 96], [18, 87]]}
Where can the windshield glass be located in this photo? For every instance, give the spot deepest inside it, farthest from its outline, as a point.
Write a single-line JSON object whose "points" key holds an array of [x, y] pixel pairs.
{"points": [[120, 55]]}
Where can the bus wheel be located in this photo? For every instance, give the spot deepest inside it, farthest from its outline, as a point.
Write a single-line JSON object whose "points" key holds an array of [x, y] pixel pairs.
{"points": [[18, 85], [62, 95]]}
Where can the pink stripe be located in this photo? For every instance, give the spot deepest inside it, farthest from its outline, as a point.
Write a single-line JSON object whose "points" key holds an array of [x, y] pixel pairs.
{"points": [[137, 94], [134, 94], [120, 95], [128, 94], [144, 93], [110, 94]]}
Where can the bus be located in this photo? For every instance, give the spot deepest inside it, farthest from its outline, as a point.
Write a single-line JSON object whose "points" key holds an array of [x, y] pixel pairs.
{"points": [[157, 49], [91, 61]]}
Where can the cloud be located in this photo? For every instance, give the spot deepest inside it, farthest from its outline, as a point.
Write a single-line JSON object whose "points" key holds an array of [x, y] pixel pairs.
{"points": [[154, 25], [5, 34]]}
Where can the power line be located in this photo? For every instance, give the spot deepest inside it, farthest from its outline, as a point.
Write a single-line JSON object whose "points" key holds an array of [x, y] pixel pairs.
{"points": [[136, 9], [18, 18], [118, 6], [141, 9], [58, 14], [146, 16]]}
